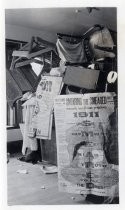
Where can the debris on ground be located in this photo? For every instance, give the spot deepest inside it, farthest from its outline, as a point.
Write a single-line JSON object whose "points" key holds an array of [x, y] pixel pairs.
{"points": [[49, 169], [43, 187], [23, 171], [73, 198], [21, 165]]}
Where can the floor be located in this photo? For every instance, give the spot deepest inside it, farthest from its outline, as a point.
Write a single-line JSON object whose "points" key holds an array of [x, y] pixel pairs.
{"points": [[27, 189]]}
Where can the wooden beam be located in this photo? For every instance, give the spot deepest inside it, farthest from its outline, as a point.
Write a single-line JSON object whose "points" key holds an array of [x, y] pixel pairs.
{"points": [[31, 44], [26, 62], [20, 53], [12, 63], [17, 59], [40, 52], [23, 63], [25, 46]]}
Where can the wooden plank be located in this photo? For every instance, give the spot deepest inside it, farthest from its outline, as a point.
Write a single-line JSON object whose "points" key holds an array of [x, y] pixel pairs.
{"points": [[12, 63], [20, 79], [23, 63], [20, 53], [40, 52], [26, 62], [25, 46], [28, 74], [31, 44]]}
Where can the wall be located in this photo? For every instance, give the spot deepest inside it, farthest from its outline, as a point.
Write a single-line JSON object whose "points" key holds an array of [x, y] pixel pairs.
{"points": [[14, 135], [24, 34]]}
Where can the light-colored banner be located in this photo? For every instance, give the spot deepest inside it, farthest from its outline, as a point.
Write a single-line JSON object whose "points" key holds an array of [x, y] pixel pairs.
{"points": [[82, 130], [48, 88]]}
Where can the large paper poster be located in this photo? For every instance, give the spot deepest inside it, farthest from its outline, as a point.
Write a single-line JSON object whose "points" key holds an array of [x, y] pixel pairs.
{"points": [[48, 88], [82, 123]]}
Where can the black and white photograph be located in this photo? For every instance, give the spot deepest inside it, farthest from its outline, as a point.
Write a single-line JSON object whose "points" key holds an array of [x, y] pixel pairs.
{"points": [[62, 106]]}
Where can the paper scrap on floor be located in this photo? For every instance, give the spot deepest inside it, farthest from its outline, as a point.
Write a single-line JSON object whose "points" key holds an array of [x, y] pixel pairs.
{"points": [[23, 171], [49, 169]]}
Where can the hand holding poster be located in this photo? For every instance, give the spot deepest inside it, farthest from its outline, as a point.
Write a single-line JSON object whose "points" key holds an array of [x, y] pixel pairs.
{"points": [[82, 132]]}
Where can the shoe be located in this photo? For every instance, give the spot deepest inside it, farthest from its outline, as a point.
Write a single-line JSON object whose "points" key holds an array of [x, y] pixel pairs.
{"points": [[21, 158], [33, 157]]}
